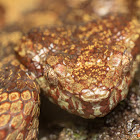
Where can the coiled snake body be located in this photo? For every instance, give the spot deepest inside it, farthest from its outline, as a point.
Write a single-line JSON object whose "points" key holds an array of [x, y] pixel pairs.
{"points": [[85, 69]]}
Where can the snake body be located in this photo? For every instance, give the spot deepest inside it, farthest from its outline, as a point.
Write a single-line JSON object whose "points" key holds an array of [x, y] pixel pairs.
{"points": [[19, 101], [86, 69]]}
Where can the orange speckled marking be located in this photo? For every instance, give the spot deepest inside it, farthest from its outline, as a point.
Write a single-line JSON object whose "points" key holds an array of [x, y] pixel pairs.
{"points": [[53, 60], [26, 95]]}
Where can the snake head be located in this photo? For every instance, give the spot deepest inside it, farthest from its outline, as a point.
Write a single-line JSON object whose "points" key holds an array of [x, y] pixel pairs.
{"points": [[85, 69]]}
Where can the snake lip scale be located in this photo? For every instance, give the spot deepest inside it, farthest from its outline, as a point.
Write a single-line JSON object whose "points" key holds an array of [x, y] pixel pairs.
{"points": [[86, 69]]}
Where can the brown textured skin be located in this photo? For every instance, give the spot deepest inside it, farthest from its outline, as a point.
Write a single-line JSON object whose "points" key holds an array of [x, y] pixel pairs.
{"points": [[85, 69], [19, 100]]}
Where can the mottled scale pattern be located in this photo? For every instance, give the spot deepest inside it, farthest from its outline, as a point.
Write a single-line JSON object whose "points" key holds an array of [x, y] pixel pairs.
{"points": [[19, 101], [86, 69]]}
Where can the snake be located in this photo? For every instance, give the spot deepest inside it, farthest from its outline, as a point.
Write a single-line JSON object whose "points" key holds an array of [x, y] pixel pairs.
{"points": [[85, 69]]}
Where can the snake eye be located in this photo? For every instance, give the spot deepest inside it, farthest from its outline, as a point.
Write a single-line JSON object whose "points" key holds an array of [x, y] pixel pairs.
{"points": [[50, 75], [127, 61]]}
